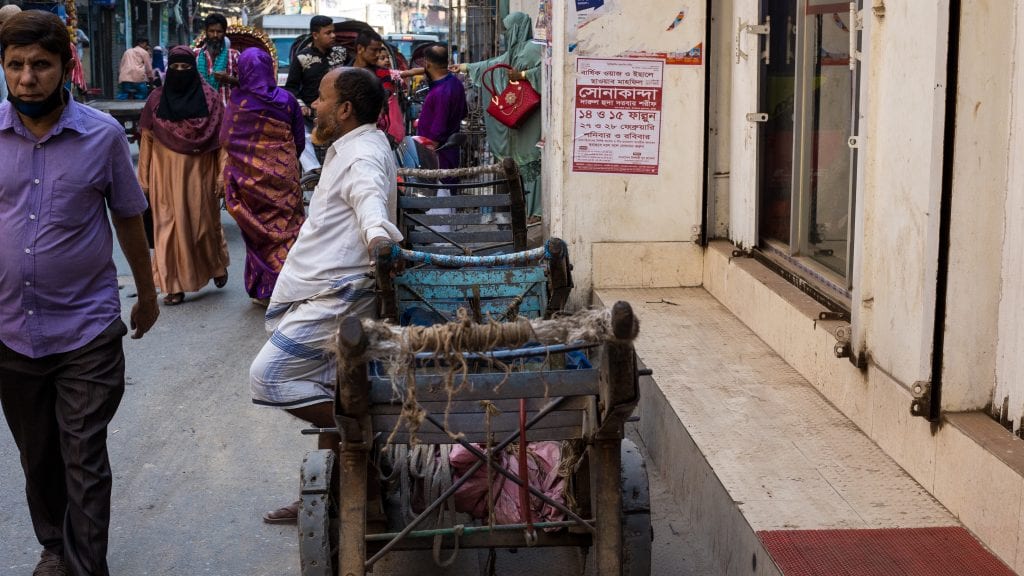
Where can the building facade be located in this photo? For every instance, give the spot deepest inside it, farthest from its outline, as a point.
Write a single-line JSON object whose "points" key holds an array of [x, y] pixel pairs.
{"points": [[865, 152]]}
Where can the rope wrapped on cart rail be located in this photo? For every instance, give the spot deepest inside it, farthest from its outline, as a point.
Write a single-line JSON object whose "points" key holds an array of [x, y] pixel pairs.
{"points": [[437, 174], [507, 168], [390, 342]]}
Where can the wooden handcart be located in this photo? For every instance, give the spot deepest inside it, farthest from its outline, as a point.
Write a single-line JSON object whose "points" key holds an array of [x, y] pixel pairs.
{"points": [[484, 211], [538, 399]]}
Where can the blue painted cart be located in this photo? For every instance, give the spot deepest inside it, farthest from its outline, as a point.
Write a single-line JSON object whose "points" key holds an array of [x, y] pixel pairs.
{"points": [[424, 288]]}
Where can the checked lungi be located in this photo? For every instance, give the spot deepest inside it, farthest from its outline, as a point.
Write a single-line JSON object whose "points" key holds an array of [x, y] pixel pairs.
{"points": [[295, 368]]}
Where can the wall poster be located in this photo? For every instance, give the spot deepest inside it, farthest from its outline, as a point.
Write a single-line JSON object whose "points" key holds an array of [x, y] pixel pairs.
{"points": [[617, 115]]}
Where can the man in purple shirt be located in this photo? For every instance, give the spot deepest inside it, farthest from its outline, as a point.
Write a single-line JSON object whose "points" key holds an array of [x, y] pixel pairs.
{"points": [[61, 359], [444, 108]]}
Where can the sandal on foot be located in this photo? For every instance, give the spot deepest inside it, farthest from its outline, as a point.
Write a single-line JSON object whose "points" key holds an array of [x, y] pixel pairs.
{"points": [[174, 299], [221, 281], [284, 515]]}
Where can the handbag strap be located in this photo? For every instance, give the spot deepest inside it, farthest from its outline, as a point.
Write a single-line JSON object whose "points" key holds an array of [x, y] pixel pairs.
{"points": [[489, 75]]}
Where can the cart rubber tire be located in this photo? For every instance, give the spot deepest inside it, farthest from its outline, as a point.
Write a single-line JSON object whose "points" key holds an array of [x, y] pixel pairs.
{"points": [[637, 532], [318, 540]]}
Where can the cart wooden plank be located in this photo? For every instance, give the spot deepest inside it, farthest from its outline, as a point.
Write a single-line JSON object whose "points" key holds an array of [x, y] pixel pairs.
{"points": [[549, 384]]}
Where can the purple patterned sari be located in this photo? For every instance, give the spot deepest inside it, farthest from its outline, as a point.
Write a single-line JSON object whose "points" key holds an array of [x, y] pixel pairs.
{"points": [[262, 135]]}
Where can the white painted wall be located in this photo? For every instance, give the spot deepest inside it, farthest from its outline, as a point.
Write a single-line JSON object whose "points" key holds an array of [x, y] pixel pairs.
{"points": [[628, 230], [905, 104], [979, 195], [1010, 359]]}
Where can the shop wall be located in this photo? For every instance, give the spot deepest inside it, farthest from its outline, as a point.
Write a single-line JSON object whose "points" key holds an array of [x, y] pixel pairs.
{"points": [[979, 195], [628, 230], [902, 148], [1010, 362]]}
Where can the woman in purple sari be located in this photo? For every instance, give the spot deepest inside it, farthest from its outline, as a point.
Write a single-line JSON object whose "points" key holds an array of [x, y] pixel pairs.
{"points": [[263, 134]]}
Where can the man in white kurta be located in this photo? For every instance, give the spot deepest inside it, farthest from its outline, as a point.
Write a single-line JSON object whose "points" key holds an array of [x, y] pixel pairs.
{"points": [[325, 276]]}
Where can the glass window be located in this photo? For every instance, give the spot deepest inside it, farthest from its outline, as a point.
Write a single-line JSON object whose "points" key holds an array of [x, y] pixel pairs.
{"points": [[806, 167]]}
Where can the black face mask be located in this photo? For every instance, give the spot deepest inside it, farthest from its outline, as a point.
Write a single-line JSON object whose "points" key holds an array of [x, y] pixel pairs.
{"points": [[177, 80], [39, 109]]}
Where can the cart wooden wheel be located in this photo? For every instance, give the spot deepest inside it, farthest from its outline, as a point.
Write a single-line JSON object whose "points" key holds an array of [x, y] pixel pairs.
{"points": [[637, 533], [318, 539]]}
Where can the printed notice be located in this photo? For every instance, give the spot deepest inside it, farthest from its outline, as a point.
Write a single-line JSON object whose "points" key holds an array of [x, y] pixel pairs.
{"points": [[618, 115]]}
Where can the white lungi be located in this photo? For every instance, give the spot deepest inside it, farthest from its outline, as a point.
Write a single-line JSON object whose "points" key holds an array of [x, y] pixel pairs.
{"points": [[295, 368]]}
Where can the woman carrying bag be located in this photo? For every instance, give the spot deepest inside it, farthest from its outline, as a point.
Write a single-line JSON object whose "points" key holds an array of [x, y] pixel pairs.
{"points": [[520, 144]]}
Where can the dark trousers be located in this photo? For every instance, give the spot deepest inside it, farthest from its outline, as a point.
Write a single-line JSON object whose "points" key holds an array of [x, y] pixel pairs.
{"points": [[58, 408]]}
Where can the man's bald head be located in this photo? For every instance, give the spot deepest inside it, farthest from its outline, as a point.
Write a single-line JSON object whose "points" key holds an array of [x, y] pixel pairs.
{"points": [[7, 11]]}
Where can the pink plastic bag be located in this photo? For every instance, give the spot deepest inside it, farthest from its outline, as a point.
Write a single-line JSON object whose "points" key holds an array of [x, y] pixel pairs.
{"points": [[543, 459]]}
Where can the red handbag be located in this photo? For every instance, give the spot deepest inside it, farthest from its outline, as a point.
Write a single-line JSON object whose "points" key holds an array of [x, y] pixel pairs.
{"points": [[515, 104]]}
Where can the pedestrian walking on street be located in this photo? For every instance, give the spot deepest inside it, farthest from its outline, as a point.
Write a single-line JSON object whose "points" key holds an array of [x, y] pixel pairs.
{"points": [[325, 276], [520, 144], [61, 356], [217, 61], [263, 135], [444, 107], [369, 46], [395, 106], [309, 65], [180, 171], [159, 65], [136, 72]]}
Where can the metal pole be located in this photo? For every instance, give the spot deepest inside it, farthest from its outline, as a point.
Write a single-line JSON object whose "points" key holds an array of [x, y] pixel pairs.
{"points": [[470, 530]]}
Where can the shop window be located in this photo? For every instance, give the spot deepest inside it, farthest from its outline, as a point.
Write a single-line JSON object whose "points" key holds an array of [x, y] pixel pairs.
{"points": [[806, 169]]}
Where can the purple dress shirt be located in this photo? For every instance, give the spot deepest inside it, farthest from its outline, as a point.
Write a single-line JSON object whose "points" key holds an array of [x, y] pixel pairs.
{"points": [[443, 110], [58, 283]]}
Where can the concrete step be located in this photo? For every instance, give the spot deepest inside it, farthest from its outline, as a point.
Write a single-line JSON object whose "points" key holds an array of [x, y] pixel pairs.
{"points": [[762, 465]]}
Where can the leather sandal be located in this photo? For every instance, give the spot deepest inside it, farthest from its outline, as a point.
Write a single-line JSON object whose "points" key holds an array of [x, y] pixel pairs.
{"points": [[284, 515], [174, 298]]}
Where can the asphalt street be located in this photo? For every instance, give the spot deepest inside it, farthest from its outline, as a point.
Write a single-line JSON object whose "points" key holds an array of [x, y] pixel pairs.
{"points": [[196, 463]]}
